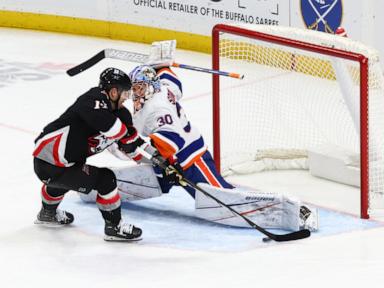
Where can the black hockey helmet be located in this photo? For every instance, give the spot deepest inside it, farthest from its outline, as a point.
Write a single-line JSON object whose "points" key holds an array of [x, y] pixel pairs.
{"points": [[113, 77]]}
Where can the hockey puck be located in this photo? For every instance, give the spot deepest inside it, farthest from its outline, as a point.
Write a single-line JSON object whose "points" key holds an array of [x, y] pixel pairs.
{"points": [[266, 239]]}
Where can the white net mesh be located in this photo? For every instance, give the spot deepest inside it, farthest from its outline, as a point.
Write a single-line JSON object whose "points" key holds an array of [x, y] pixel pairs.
{"points": [[293, 100]]}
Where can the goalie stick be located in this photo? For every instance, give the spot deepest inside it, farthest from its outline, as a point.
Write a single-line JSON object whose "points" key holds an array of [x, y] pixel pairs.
{"points": [[301, 234], [139, 58]]}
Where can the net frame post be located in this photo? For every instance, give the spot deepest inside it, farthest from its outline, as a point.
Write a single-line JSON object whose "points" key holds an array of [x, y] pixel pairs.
{"points": [[218, 29]]}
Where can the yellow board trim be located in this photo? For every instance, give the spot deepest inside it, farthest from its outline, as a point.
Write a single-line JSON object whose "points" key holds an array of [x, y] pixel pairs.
{"points": [[144, 34], [105, 29]]}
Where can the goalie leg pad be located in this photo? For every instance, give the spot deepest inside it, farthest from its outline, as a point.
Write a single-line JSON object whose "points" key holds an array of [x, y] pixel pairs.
{"points": [[133, 183], [137, 182], [268, 210]]}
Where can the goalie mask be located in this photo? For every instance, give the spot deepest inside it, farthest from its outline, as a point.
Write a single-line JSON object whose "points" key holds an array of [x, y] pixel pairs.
{"points": [[144, 83]]}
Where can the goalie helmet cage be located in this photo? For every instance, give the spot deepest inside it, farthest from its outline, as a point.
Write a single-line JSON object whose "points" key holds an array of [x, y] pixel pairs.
{"points": [[302, 88]]}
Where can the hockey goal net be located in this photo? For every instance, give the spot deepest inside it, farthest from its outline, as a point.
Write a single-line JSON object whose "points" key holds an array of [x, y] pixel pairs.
{"points": [[303, 90]]}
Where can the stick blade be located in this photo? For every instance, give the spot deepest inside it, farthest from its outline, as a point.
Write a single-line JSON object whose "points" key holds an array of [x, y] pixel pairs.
{"points": [[87, 64], [297, 235]]}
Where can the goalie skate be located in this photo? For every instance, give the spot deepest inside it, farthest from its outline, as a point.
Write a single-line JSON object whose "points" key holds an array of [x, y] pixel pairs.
{"points": [[54, 217], [309, 218], [121, 232]]}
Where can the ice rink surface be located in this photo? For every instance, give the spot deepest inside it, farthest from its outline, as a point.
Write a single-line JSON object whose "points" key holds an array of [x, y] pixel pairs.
{"points": [[178, 250]]}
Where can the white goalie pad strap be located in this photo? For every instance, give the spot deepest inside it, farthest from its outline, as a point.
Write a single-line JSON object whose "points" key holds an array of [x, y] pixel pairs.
{"points": [[133, 183], [162, 53], [268, 210], [137, 182]]}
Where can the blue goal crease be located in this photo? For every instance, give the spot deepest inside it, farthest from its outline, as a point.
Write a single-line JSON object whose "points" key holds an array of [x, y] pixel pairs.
{"points": [[169, 221]]}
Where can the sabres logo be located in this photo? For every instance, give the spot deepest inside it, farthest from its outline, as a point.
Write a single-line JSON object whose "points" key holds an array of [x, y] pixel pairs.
{"points": [[322, 15]]}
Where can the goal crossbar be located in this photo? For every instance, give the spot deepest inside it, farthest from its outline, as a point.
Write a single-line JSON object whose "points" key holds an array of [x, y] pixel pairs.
{"points": [[363, 67]]}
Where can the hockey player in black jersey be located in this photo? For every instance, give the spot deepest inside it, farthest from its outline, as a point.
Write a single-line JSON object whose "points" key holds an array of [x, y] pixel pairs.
{"points": [[96, 120]]}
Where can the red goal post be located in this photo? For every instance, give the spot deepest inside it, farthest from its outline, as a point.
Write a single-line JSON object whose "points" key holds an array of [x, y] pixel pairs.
{"points": [[239, 34]]}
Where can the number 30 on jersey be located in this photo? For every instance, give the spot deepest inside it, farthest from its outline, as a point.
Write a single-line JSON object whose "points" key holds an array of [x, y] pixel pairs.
{"points": [[163, 120]]}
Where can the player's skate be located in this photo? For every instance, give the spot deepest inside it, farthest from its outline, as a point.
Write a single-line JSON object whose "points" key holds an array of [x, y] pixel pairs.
{"points": [[309, 218], [121, 232], [54, 217]]}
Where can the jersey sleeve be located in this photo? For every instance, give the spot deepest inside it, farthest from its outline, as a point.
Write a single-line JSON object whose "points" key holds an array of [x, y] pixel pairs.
{"points": [[169, 79], [125, 116], [96, 112], [162, 127]]}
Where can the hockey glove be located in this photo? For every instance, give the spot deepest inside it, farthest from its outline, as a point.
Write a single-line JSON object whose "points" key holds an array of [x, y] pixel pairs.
{"points": [[159, 161], [162, 54], [173, 173], [129, 143]]}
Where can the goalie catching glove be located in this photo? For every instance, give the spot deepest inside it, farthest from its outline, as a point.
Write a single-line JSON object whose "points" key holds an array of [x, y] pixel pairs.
{"points": [[162, 54]]}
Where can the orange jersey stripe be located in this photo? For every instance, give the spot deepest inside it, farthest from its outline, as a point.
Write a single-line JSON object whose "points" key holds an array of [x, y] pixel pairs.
{"points": [[165, 149], [207, 173], [193, 161], [166, 69]]}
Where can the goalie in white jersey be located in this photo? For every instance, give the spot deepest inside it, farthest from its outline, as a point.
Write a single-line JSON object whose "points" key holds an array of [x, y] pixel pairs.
{"points": [[159, 116]]}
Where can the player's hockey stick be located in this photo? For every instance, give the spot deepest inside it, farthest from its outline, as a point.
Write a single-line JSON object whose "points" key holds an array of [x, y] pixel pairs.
{"points": [[301, 234], [139, 58]]}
